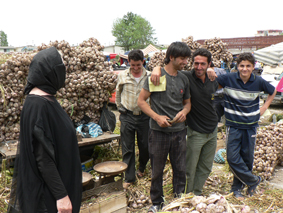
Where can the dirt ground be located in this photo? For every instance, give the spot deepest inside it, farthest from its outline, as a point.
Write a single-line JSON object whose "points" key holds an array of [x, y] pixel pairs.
{"points": [[276, 179]]}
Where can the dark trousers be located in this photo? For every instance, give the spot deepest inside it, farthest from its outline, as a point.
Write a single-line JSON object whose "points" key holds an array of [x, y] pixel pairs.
{"points": [[218, 105], [160, 145], [130, 126], [240, 156]]}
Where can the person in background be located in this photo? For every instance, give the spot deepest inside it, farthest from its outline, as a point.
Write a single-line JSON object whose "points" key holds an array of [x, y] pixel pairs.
{"points": [[115, 65], [218, 99], [125, 64], [48, 173], [144, 62], [202, 121], [172, 102], [133, 120], [242, 112]]}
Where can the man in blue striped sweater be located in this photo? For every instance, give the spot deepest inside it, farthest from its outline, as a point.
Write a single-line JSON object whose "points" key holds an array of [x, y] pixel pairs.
{"points": [[242, 112]]}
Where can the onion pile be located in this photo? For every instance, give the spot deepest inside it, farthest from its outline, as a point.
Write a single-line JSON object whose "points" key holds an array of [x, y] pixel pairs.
{"points": [[201, 204], [268, 150], [138, 200], [156, 60], [217, 48], [13, 75], [89, 83]]}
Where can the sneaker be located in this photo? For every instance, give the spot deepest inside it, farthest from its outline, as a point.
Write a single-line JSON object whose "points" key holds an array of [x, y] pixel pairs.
{"points": [[153, 209], [251, 189], [238, 195]]}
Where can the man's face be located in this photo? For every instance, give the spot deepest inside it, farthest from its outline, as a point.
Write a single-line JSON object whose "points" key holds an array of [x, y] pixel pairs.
{"points": [[200, 65], [245, 69], [136, 66], [179, 63]]}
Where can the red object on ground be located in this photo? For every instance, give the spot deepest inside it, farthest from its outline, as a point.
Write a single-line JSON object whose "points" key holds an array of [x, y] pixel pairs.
{"points": [[279, 87]]}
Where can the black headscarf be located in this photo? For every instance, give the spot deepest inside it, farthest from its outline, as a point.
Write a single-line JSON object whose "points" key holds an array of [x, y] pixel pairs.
{"points": [[46, 72]]}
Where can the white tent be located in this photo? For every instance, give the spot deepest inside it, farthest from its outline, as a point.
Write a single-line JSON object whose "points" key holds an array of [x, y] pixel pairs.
{"points": [[272, 55]]}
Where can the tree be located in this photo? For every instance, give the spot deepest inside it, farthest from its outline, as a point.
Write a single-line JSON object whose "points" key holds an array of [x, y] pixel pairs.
{"points": [[3, 39], [133, 32]]}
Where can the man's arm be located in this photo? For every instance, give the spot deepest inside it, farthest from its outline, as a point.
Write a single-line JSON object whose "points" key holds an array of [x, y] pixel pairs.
{"points": [[160, 119], [212, 75], [267, 102], [119, 89]]}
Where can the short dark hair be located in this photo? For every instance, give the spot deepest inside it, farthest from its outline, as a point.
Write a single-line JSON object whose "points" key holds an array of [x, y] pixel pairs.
{"points": [[202, 52], [246, 57], [136, 55], [177, 49]]}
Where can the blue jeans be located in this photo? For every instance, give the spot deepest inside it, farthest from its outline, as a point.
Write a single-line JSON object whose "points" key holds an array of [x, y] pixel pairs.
{"points": [[160, 145], [240, 156]]}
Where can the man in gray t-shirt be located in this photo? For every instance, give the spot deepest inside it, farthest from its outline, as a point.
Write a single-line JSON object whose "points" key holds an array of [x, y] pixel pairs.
{"points": [[167, 134], [170, 101]]}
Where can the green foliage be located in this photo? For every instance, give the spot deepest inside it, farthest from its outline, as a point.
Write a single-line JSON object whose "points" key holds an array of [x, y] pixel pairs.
{"points": [[3, 39], [133, 32]]}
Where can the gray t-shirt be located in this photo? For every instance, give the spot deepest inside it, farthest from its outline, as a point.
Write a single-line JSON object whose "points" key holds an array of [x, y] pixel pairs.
{"points": [[169, 102]]}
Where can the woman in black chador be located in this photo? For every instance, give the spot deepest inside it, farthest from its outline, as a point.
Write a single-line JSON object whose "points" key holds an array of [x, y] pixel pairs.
{"points": [[47, 175]]}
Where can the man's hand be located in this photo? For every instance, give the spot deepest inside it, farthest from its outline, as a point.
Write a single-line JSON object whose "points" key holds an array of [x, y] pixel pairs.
{"points": [[155, 75], [180, 117], [64, 205], [211, 74], [262, 110], [162, 121]]}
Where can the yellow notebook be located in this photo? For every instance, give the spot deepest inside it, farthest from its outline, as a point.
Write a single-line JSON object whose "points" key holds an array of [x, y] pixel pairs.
{"points": [[160, 88]]}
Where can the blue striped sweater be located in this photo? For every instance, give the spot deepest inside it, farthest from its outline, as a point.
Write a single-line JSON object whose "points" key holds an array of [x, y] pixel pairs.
{"points": [[241, 104]]}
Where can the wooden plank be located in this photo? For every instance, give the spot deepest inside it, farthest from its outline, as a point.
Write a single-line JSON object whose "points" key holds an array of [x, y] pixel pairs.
{"points": [[9, 149], [122, 210], [106, 188], [115, 202], [105, 138]]}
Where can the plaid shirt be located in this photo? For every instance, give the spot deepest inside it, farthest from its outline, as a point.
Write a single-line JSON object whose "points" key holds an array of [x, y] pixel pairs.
{"points": [[128, 90]]}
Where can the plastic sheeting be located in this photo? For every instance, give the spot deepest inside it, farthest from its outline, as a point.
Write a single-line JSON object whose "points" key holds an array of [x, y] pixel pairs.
{"points": [[272, 55]]}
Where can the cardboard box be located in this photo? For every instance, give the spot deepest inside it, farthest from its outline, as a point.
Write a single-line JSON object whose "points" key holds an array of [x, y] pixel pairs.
{"points": [[87, 165]]}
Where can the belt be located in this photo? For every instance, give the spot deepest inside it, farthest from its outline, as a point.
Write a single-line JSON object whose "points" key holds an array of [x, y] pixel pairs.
{"points": [[137, 113]]}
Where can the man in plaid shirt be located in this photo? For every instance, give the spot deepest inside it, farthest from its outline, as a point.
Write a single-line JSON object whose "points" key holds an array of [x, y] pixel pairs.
{"points": [[133, 120]]}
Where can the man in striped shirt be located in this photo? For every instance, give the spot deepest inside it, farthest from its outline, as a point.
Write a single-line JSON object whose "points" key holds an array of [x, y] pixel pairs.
{"points": [[133, 120], [242, 112]]}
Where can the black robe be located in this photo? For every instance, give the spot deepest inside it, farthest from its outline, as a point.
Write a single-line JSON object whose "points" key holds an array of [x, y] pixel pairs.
{"points": [[47, 166]]}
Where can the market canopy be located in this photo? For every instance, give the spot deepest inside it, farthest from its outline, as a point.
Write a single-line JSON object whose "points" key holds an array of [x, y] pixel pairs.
{"points": [[123, 56], [272, 55], [148, 49]]}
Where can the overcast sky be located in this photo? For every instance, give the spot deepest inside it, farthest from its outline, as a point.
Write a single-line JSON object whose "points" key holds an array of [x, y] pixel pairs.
{"points": [[34, 22]]}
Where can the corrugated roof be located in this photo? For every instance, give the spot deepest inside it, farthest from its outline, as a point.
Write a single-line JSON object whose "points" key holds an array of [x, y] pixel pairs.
{"points": [[148, 49]]}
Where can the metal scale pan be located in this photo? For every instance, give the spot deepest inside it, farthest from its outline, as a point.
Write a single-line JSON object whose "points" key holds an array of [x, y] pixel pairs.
{"points": [[109, 170]]}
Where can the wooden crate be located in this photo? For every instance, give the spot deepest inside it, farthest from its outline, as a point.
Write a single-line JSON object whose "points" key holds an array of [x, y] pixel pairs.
{"points": [[115, 202]]}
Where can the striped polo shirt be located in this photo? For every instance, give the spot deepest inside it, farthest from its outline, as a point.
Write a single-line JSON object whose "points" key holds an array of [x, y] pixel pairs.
{"points": [[241, 104]]}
